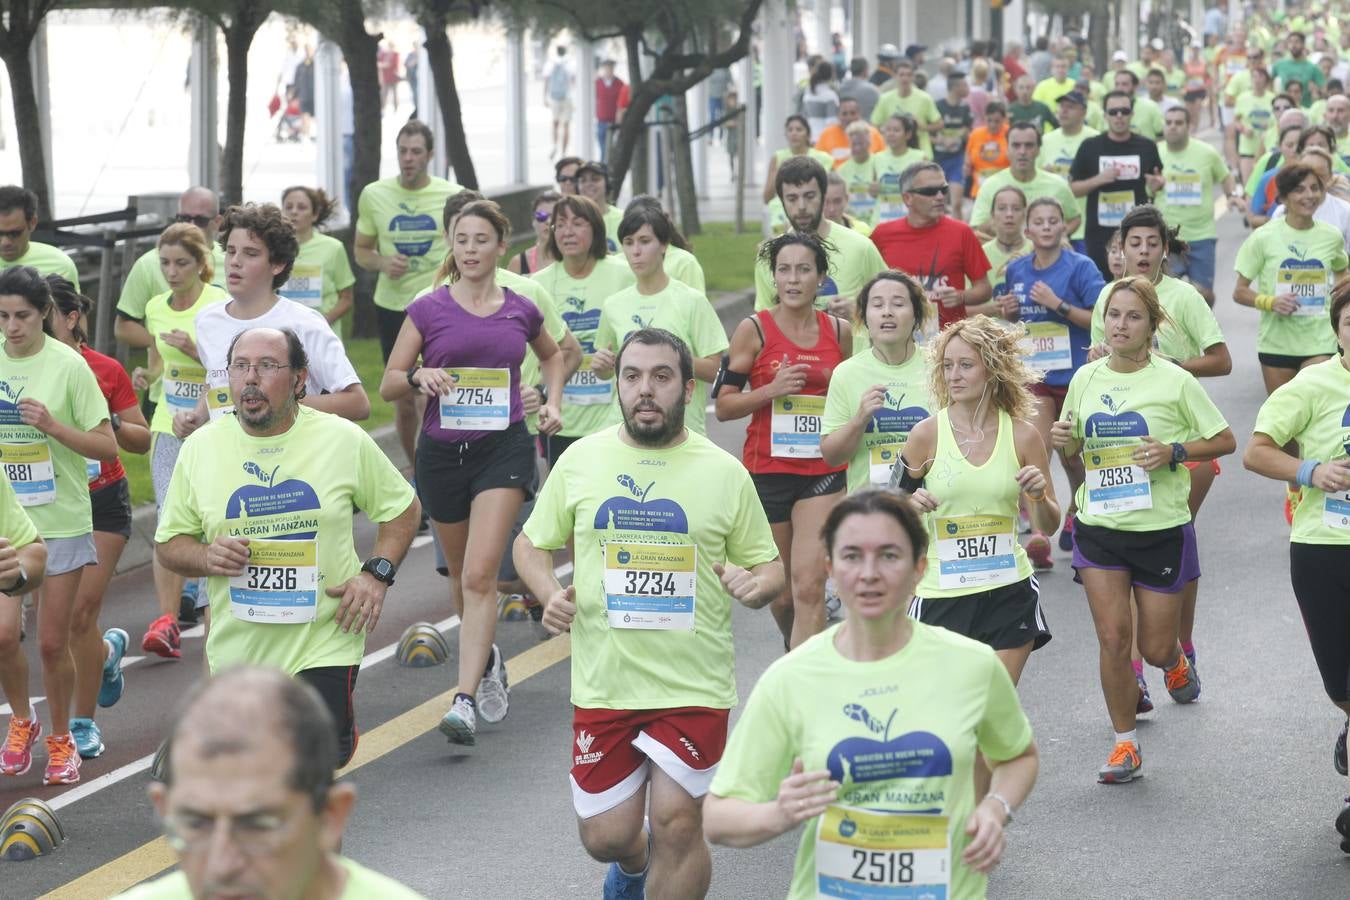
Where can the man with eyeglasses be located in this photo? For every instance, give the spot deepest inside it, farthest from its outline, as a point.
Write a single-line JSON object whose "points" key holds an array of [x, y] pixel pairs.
{"points": [[1116, 171], [18, 218], [257, 506], [270, 787]]}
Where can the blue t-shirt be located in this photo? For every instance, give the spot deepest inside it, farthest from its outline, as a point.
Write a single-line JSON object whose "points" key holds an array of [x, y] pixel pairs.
{"points": [[1076, 280]]}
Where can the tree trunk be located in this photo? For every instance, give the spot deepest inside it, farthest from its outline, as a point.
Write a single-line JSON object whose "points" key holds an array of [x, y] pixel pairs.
{"points": [[1099, 27], [238, 38], [26, 125], [686, 189], [358, 48], [630, 147], [441, 61]]}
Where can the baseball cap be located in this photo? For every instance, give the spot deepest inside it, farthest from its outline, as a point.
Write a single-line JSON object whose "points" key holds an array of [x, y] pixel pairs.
{"points": [[1073, 97], [1120, 56], [888, 51], [912, 49], [1157, 44], [598, 168]]}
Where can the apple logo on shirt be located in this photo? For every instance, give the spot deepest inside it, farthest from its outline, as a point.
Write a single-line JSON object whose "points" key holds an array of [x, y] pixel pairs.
{"points": [[1345, 423], [915, 754], [1115, 423], [895, 419], [632, 511], [828, 288], [280, 504], [9, 404], [411, 222]]}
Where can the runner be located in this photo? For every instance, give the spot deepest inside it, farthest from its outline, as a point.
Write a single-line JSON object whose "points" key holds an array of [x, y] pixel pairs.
{"points": [[907, 98], [1146, 119], [639, 717], [1024, 146], [1010, 241], [1115, 171], [659, 301], [797, 132], [813, 743], [1133, 531], [858, 176], [593, 183], [536, 256], [987, 148], [902, 151], [681, 264], [54, 418], [18, 219], [23, 563], [257, 507], [949, 147], [1252, 118], [322, 278], [1024, 109], [1261, 193], [396, 236], [1308, 413], [98, 656], [1059, 147], [565, 174], [475, 462], [1335, 209], [787, 354], [876, 397], [1053, 293], [837, 201], [186, 264], [834, 139], [585, 275]]}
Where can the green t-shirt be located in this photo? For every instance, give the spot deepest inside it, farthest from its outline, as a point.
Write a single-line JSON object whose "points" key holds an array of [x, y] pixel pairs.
{"points": [[615, 498], [283, 490], [186, 377], [908, 402], [998, 261], [586, 398], [553, 324], [321, 271], [854, 259], [1147, 119], [145, 281], [1301, 70], [50, 479], [918, 104], [1042, 184], [1278, 259], [1256, 114], [406, 222], [15, 525], [362, 884], [900, 734], [1190, 329], [48, 260], [1117, 409], [1057, 152], [684, 266], [682, 311], [858, 178], [1314, 409], [1187, 198], [890, 204]]}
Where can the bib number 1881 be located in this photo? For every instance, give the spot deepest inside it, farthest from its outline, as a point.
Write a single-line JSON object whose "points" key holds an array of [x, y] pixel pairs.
{"points": [[19, 471]]}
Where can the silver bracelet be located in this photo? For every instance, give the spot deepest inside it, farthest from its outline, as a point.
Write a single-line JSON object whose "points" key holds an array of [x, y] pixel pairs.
{"points": [[1007, 807]]}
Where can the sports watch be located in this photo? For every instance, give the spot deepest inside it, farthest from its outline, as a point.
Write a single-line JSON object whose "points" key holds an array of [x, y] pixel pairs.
{"points": [[1179, 455], [381, 568], [20, 583], [116, 421]]}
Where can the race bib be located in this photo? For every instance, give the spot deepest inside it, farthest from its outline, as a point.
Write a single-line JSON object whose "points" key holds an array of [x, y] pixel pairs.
{"points": [[183, 386], [1112, 207], [1184, 188], [305, 285], [860, 201], [890, 202], [794, 430], [1308, 285], [1046, 347], [585, 388], [864, 853], [219, 402], [479, 400], [975, 551], [881, 459], [650, 586], [280, 584], [1115, 482], [92, 469], [29, 469], [1336, 510]]}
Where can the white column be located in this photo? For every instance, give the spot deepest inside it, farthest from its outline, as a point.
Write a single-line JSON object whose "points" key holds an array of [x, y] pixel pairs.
{"points": [[866, 22], [1197, 19], [909, 23], [1234, 12], [1129, 28], [777, 56], [583, 123], [517, 160], [747, 123], [37, 57], [696, 107], [203, 151], [1015, 22], [328, 117], [823, 45], [979, 28], [429, 111]]}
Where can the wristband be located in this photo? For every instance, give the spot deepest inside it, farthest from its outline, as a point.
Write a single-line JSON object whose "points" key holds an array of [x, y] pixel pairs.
{"points": [[1305, 472], [411, 372], [1264, 302], [1007, 807]]}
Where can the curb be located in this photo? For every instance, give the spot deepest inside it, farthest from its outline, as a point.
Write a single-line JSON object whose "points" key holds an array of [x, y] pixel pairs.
{"points": [[731, 306]]}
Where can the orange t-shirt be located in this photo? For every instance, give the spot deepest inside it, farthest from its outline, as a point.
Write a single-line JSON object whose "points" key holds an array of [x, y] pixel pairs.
{"points": [[834, 141], [987, 153]]}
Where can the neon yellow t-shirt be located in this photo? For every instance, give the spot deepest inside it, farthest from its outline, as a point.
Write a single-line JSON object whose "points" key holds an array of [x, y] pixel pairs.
{"points": [[50, 479], [682, 311], [1278, 259], [1257, 115], [586, 398], [1057, 152], [858, 178], [918, 104], [900, 735], [1187, 198], [619, 502], [998, 261], [1190, 329], [684, 266], [362, 884], [15, 525], [553, 324], [613, 217], [1148, 119], [48, 260], [321, 271], [908, 402], [1043, 184], [282, 490], [889, 167], [1117, 409], [406, 222], [853, 260], [184, 377]]}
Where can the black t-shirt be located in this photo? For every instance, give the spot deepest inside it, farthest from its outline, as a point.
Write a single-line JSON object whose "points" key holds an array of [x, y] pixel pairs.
{"points": [[1106, 206], [957, 120]]}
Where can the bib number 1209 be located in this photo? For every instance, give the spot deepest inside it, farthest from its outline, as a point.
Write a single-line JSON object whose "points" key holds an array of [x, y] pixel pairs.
{"points": [[883, 866]]}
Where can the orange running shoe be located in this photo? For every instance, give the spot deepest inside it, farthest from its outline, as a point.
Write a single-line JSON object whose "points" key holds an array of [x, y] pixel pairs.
{"points": [[63, 760], [1123, 766], [1183, 682], [162, 638], [17, 756]]}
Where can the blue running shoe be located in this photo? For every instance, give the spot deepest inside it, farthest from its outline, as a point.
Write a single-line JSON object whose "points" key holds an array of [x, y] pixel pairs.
{"points": [[113, 683], [188, 615], [1066, 534], [619, 885], [1145, 704], [88, 739]]}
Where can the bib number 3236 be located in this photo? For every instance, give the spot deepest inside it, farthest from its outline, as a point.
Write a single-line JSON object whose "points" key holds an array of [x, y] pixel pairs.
{"points": [[280, 584]]}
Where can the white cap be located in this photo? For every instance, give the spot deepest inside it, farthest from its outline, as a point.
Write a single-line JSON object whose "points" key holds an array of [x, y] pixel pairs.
{"points": [[1120, 56], [1157, 44]]}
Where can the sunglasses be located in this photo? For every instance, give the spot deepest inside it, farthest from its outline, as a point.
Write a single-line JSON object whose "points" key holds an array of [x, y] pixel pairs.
{"points": [[199, 221], [540, 215], [1119, 111], [933, 191], [567, 179]]}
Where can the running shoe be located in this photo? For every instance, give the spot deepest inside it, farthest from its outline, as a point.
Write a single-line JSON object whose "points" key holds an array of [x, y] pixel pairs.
{"points": [[110, 691], [17, 756], [511, 608], [494, 693], [1343, 826], [63, 760], [1145, 704], [833, 605], [1123, 765], [1190, 654], [1338, 754], [1183, 681], [88, 739], [1038, 551], [458, 723], [619, 885], [1066, 533], [161, 638], [187, 604]]}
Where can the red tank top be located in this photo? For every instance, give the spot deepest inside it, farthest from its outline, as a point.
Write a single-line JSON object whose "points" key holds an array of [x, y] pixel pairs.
{"points": [[118, 392], [823, 358]]}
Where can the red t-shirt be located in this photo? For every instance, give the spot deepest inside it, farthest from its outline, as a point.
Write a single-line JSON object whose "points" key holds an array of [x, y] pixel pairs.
{"points": [[607, 99], [947, 253], [117, 390]]}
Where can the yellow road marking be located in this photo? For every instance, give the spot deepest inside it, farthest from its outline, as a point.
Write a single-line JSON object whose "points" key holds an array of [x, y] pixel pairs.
{"points": [[155, 856]]}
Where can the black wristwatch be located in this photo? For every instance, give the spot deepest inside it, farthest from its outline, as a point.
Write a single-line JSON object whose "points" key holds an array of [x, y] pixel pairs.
{"points": [[381, 568], [411, 372], [116, 421], [18, 585], [1179, 455]]}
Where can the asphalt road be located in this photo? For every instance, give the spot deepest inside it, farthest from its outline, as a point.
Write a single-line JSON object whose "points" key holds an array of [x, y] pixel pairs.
{"points": [[1237, 801]]}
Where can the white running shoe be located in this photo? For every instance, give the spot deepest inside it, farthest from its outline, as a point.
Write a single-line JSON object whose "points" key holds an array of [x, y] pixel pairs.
{"points": [[494, 694], [458, 724]]}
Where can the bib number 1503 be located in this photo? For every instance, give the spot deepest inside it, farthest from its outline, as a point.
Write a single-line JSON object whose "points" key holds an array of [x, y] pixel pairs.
{"points": [[883, 866]]}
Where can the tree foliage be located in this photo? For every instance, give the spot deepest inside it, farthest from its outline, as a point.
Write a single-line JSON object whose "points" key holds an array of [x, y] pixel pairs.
{"points": [[19, 21]]}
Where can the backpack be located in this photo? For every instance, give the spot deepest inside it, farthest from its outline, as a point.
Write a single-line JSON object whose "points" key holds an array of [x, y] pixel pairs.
{"points": [[559, 81]]}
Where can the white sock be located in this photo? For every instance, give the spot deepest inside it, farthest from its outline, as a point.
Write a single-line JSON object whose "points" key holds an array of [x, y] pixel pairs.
{"points": [[1132, 736]]}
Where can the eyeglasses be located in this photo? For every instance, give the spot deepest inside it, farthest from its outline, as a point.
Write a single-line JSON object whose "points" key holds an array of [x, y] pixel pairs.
{"points": [[199, 221], [933, 191], [264, 368], [540, 215], [1119, 111], [566, 179], [252, 835]]}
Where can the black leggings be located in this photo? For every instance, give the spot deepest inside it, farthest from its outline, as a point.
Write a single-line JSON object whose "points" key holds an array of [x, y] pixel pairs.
{"points": [[1320, 574]]}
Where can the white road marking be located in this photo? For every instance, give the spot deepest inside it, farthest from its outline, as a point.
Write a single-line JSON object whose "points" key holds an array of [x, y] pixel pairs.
{"points": [[6, 709]]}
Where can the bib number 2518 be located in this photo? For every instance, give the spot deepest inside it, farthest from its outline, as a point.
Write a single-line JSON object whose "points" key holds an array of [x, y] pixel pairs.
{"points": [[883, 866]]}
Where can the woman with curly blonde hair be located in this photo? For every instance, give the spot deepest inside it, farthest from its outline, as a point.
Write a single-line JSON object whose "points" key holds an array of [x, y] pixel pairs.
{"points": [[966, 469]]}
